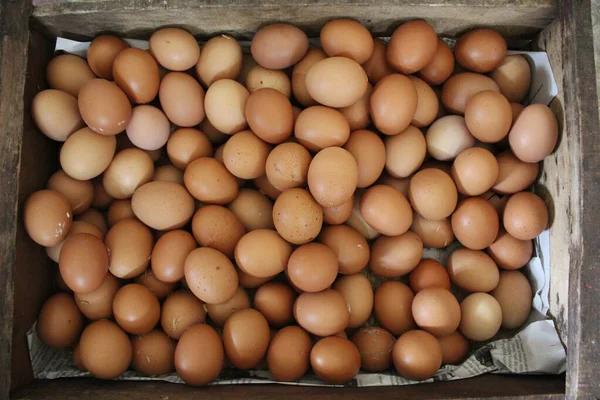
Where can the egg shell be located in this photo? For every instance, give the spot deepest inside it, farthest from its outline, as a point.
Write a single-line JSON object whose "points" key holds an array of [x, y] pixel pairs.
{"points": [[358, 114], [480, 50], [104, 107], [210, 182], [350, 247], [474, 171], [513, 77], [298, 218], [405, 152], [210, 275], [441, 66], [253, 209], [525, 215], [488, 116], [153, 353], [340, 214], [129, 244], [429, 274], [251, 257], [336, 82], [102, 53], [288, 356], [56, 114], [97, 304], [246, 338], [369, 152], [217, 227], [83, 262], [182, 99], [129, 170], [168, 173], [514, 295], [448, 137], [48, 217], [299, 72], [436, 311], [86, 154], [59, 322], [136, 72], [412, 46], [219, 313], [163, 205], [432, 194], [386, 210], [278, 46], [245, 155], [323, 313], [392, 306], [69, 73], [475, 223], [481, 317], [376, 66], [287, 166], [335, 360], [435, 234], [259, 78], [160, 289], [534, 134], [332, 176], [375, 347], [509, 252], [105, 349], [225, 105], [79, 193], [318, 127], [417, 355], [180, 311], [221, 58], [312, 267], [194, 370], [393, 104], [460, 88], [136, 309], [275, 301], [358, 292]]}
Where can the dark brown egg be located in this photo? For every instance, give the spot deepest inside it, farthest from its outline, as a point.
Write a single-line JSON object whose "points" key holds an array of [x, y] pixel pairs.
{"points": [[153, 353], [376, 67], [312, 267], [104, 107], [429, 274], [246, 338], [102, 53], [129, 243], [375, 347], [441, 65], [412, 46], [136, 309], [480, 50], [475, 223], [105, 349], [269, 115], [392, 306], [454, 348], [60, 322], [169, 254], [288, 356], [335, 360], [136, 72], [98, 303], [393, 103], [417, 355], [194, 370], [83, 262]]}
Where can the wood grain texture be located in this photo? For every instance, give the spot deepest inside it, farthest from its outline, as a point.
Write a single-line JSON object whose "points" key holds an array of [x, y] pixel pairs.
{"points": [[139, 18], [486, 386]]}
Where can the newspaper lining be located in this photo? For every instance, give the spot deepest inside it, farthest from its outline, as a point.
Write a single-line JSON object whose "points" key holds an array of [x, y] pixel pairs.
{"points": [[534, 349]]}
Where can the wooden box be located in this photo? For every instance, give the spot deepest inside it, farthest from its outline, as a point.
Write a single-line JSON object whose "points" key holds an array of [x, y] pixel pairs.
{"points": [[570, 181]]}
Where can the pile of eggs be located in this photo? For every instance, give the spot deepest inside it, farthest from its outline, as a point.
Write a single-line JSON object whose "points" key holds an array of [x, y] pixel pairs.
{"points": [[216, 209]]}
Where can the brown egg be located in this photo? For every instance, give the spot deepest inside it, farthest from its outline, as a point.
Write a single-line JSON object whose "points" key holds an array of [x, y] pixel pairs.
{"points": [[534, 134], [488, 116], [513, 77], [474, 171], [358, 114], [436, 311], [375, 347], [412, 46], [253, 209], [368, 151], [245, 155], [288, 355], [480, 50], [429, 274], [481, 317], [210, 275], [169, 254], [219, 313], [427, 104], [251, 282], [340, 214], [226, 104], [335, 360], [441, 65], [514, 295], [269, 114], [130, 169], [186, 145], [509, 252], [298, 218], [217, 227], [435, 234], [350, 247], [102, 53], [332, 176], [417, 355], [194, 370], [153, 353], [79, 193], [56, 114], [259, 78], [182, 99], [221, 58], [105, 349], [376, 67], [168, 173], [358, 292], [159, 288], [392, 306], [525, 216], [246, 338], [251, 257], [405, 152], [400, 184], [323, 313], [48, 217], [514, 175], [136, 72], [215, 136], [312, 267], [262, 183], [102, 199], [278, 46], [104, 107], [301, 94], [336, 82], [347, 38], [432, 194], [174, 48], [76, 227], [454, 348], [136, 309], [448, 137], [95, 218], [475, 223], [357, 222], [129, 244], [69, 73], [59, 323], [318, 127], [86, 154], [386, 210], [97, 304], [163, 205], [180, 311], [118, 211], [460, 88], [210, 182], [83, 262], [287, 166], [148, 128], [275, 301], [393, 103], [77, 358]]}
